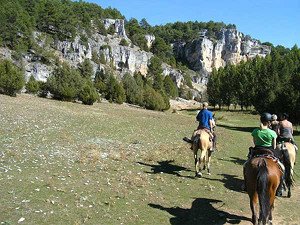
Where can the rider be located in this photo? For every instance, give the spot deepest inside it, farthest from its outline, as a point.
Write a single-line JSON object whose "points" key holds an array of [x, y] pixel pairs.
{"points": [[206, 122], [264, 139], [274, 123], [285, 130]]}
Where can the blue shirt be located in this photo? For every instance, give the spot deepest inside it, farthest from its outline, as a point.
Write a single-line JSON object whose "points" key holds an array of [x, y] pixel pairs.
{"points": [[203, 117]]}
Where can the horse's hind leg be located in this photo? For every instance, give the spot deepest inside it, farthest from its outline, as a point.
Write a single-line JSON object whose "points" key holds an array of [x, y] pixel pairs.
{"points": [[253, 203], [208, 161], [197, 165]]}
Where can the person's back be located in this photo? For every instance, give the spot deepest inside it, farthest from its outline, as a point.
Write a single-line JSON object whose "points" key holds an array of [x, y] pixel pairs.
{"points": [[285, 130], [264, 138], [204, 118]]}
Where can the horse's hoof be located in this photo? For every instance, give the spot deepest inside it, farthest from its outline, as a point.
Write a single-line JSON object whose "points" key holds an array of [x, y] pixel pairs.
{"points": [[209, 173], [198, 175], [289, 194]]}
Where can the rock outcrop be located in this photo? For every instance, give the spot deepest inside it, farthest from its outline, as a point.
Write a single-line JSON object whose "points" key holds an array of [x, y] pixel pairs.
{"points": [[202, 54], [231, 46]]}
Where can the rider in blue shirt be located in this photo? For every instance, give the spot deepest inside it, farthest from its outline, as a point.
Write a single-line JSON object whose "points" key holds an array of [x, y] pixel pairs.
{"points": [[206, 121], [205, 118]]}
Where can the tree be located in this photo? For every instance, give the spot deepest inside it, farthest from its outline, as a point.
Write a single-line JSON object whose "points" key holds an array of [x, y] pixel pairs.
{"points": [[170, 87], [133, 92], [100, 81], [15, 26], [88, 93], [144, 24], [86, 69], [11, 78], [65, 83], [153, 100], [155, 71], [115, 91], [32, 86]]}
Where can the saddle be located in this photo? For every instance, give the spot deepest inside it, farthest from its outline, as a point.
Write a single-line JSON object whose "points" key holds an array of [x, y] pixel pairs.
{"points": [[265, 153], [257, 151]]}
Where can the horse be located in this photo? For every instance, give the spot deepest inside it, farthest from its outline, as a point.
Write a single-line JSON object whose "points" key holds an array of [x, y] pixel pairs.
{"points": [[262, 176], [201, 141], [286, 152]]}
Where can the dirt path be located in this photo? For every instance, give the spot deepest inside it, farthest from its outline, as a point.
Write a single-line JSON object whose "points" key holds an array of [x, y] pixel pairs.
{"points": [[280, 214]]}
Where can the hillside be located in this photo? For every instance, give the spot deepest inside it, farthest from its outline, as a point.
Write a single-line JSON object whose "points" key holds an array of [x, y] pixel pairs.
{"points": [[67, 163], [43, 33]]}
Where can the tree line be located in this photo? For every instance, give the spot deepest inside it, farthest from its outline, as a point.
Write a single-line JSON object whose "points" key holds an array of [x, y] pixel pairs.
{"points": [[270, 84], [71, 84], [61, 19]]}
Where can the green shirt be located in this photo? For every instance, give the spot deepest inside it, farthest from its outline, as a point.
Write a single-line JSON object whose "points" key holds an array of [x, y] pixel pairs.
{"points": [[263, 137]]}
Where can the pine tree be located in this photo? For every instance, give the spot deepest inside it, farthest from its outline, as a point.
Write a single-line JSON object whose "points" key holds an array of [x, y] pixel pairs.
{"points": [[32, 86], [170, 87], [12, 78]]}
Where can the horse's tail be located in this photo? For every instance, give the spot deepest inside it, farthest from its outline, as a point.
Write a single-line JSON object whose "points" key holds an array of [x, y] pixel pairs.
{"points": [[262, 190], [288, 177]]}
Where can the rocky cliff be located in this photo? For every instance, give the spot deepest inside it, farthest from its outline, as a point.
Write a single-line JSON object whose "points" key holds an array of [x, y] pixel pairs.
{"points": [[201, 54], [230, 47]]}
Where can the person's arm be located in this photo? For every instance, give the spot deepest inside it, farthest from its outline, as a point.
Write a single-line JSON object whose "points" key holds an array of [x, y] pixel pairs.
{"points": [[211, 125], [274, 143]]}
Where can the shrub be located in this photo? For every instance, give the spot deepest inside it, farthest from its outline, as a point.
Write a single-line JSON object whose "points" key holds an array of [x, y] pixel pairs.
{"points": [[88, 93], [32, 86], [134, 94], [170, 87], [65, 83], [12, 78], [153, 100], [123, 42]]}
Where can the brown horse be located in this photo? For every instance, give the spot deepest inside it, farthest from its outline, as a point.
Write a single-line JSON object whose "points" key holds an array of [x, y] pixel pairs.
{"points": [[262, 177], [201, 141], [286, 152]]}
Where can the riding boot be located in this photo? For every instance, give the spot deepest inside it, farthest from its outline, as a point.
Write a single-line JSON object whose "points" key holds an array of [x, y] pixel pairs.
{"points": [[280, 188]]}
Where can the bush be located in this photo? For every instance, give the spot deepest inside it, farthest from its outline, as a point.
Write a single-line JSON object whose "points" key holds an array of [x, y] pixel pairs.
{"points": [[65, 83], [123, 42], [12, 78], [153, 100], [88, 93], [134, 93], [32, 86], [115, 91]]}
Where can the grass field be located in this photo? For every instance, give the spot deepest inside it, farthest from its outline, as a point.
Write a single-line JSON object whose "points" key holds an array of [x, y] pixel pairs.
{"points": [[66, 163]]}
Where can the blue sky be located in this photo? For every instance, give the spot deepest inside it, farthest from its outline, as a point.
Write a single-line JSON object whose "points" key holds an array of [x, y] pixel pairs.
{"points": [[275, 21]]}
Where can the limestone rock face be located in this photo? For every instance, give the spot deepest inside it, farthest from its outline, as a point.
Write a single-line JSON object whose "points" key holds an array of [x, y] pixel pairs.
{"points": [[202, 54], [231, 46], [118, 25], [150, 39]]}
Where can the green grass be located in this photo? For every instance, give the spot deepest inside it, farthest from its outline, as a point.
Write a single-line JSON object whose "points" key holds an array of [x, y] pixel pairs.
{"points": [[66, 163]]}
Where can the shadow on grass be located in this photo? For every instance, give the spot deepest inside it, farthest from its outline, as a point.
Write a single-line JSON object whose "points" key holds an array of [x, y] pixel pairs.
{"points": [[231, 182], [235, 160], [166, 167], [202, 212], [243, 129]]}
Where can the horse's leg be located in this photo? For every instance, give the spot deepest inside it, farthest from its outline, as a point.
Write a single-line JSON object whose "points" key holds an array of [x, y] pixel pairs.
{"points": [[208, 162], [253, 204], [272, 193], [197, 162]]}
